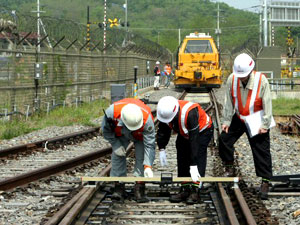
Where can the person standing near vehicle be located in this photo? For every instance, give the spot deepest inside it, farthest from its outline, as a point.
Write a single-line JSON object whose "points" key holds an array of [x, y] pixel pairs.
{"points": [[247, 93], [156, 75], [124, 121], [167, 72], [195, 130]]}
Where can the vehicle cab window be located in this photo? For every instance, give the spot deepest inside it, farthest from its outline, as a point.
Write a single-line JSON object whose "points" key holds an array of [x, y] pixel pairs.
{"points": [[198, 46]]}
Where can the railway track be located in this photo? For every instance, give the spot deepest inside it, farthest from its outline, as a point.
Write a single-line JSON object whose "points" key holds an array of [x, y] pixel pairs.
{"points": [[209, 210], [159, 210]]}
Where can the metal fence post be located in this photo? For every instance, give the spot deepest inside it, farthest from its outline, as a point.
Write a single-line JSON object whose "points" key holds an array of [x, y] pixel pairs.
{"points": [[27, 111], [48, 108]]}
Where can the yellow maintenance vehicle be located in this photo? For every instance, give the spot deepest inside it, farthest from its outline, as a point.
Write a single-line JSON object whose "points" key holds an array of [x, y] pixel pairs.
{"points": [[198, 63]]}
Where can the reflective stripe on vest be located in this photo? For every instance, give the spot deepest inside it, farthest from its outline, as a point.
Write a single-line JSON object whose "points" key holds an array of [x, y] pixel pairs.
{"points": [[185, 107], [138, 134], [183, 114], [251, 105]]}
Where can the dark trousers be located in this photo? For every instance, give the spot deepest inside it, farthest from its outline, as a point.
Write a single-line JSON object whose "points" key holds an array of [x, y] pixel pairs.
{"points": [[184, 153], [260, 146]]}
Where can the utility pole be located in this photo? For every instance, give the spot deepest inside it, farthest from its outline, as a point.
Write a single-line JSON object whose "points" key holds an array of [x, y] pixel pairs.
{"points": [[260, 29], [126, 27], [88, 28], [218, 30], [179, 39], [265, 24], [104, 27], [218, 27], [38, 25]]}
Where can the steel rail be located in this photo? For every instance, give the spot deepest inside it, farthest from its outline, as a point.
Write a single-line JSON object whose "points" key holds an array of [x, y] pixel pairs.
{"points": [[68, 212], [244, 206], [228, 206], [212, 93], [239, 196], [72, 209], [35, 175], [26, 178], [225, 198], [43, 143]]}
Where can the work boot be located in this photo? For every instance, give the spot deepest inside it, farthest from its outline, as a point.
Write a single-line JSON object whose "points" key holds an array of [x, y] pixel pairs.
{"points": [[119, 192], [194, 196], [139, 193], [182, 195], [229, 169], [264, 190]]}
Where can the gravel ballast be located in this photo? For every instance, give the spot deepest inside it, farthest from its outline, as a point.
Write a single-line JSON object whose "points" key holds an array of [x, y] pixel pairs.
{"points": [[23, 207]]}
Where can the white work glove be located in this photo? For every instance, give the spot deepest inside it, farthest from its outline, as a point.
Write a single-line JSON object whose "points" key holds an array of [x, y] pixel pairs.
{"points": [[163, 157], [194, 173], [148, 172]]}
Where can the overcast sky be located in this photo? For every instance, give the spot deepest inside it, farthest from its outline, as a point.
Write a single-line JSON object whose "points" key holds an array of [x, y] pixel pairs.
{"points": [[247, 4], [242, 4]]}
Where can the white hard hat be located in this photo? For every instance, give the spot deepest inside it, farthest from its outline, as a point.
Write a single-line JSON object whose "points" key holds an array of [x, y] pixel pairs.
{"points": [[167, 109], [157, 62], [132, 116], [243, 65]]}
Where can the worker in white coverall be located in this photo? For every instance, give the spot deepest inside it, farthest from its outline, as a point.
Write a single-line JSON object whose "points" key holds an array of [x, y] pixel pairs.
{"points": [[156, 76]]}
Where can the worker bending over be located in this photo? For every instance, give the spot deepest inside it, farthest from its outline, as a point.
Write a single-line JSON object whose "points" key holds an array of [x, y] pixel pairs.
{"points": [[195, 129], [124, 121]]}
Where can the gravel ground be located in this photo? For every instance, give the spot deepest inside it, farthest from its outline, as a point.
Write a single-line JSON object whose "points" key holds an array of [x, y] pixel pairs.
{"points": [[30, 204], [48, 132], [284, 151]]}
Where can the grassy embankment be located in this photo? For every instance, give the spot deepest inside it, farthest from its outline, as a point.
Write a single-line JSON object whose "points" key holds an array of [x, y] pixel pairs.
{"points": [[84, 114], [59, 117], [284, 106]]}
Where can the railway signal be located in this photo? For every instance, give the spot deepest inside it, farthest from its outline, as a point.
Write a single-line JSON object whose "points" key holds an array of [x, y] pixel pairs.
{"points": [[113, 22]]}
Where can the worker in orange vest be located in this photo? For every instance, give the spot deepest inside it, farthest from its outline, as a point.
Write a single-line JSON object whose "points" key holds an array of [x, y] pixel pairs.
{"points": [[247, 95], [167, 73], [124, 121], [195, 130]]}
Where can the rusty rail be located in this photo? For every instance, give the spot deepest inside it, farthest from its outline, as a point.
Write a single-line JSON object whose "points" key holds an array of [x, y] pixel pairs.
{"points": [[69, 211], [244, 207], [292, 127], [26, 178]]}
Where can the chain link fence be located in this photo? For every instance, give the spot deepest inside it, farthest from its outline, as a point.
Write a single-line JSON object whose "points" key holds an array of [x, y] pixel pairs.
{"points": [[67, 77], [73, 69]]}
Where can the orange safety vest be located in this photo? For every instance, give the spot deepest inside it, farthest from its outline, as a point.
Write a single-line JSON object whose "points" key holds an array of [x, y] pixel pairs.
{"points": [[137, 134], [185, 107], [254, 103], [169, 70]]}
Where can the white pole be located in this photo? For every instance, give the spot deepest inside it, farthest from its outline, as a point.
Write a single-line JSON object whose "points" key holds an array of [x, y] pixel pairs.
{"points": [[38, 25], [218, 27], [260, 29], [179, 39], [265, 24], [126, 19], [104, 28]]}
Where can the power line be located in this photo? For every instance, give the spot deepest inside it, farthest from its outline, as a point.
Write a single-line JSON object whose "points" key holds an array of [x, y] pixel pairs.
{"points": [[176, 29]]}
